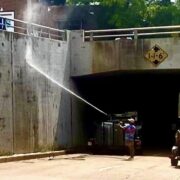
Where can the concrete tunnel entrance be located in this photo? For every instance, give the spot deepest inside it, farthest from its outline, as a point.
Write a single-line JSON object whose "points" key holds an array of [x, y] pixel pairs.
{"points": [[153, 94]]}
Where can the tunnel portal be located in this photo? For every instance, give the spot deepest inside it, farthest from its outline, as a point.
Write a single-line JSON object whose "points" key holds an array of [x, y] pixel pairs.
{"points": [[153, 94]]}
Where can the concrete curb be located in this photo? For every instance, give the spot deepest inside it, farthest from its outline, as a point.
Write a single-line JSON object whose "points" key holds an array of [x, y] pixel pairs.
{"points": [[19, 157]]}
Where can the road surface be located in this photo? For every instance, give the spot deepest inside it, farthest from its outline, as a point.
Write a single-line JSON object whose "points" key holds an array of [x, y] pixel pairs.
{"points": [[91, 167]]}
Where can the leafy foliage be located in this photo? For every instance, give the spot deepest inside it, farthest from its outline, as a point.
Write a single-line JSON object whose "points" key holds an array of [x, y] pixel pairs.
{"points": [[137, 13]]}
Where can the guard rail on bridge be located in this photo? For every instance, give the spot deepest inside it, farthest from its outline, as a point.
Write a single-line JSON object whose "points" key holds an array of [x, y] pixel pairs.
{"points": [[32, 29], [131, 33]]}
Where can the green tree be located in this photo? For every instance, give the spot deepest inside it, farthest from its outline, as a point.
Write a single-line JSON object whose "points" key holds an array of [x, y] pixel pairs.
{"points": [[137, 13], [130, 13], [80, 2]]}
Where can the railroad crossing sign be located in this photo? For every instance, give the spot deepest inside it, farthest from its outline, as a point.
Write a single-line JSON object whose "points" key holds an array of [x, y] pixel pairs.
{"points": [[156, 55]]}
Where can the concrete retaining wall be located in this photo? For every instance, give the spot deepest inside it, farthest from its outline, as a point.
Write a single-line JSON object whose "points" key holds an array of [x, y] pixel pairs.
{"points": [[6, 107], [35, 114]]}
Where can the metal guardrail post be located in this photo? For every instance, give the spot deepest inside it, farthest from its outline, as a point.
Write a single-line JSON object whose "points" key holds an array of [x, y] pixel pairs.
{"points": [[64, 36], [83, 35], [91, 36], [40, 33], [27, 27], [135, 34], [33, 31], [49, 34]]}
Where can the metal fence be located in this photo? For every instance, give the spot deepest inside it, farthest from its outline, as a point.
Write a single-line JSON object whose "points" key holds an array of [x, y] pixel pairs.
{"points": [[32, 29], [132, 33]]}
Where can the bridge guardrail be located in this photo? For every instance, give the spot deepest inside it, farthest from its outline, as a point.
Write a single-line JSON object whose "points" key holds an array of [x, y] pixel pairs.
{"points": [[131, 33], [32, 29]]}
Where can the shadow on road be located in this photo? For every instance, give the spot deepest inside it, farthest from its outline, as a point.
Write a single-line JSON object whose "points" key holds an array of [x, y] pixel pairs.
{"points": [[157, 152]]}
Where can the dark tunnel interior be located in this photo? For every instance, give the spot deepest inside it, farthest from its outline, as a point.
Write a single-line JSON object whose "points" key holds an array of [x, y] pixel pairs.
{"points": [[153, 94]]}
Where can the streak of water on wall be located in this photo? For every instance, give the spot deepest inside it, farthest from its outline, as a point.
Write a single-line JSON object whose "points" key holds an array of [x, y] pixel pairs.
{"points": [[38, 69]]}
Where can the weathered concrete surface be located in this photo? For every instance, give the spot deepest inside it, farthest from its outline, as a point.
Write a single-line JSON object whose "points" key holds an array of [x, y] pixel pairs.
{"points": [[34, 112], [6, 109], [83, 166], [118, 55], [81, 54]]}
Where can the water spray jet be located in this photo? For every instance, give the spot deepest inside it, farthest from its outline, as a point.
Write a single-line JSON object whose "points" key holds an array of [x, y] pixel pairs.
{"points": [[63, 87]]}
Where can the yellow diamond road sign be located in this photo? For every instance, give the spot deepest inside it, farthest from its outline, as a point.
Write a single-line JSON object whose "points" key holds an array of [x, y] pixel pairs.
{"points": [[156, 55]]}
